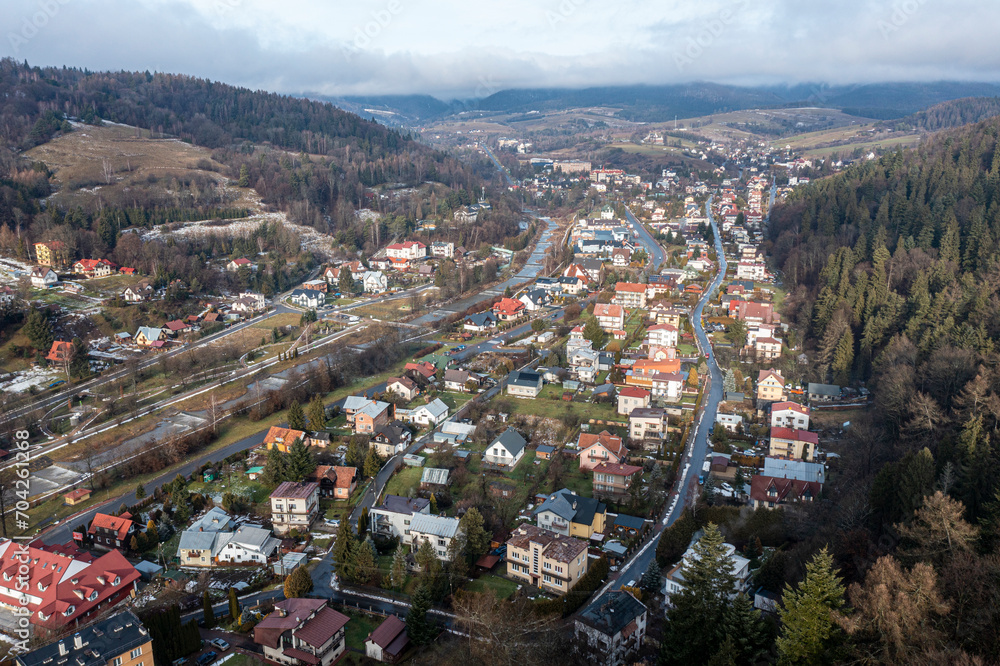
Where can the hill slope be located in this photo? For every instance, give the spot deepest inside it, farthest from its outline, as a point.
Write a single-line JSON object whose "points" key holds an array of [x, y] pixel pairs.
{"points": [[953, 113]]}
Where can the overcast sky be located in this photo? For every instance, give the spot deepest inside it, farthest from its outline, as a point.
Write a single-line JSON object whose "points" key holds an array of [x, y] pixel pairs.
{"points": [[452, 48]]}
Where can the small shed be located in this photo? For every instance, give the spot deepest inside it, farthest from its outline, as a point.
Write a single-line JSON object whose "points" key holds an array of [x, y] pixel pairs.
{"points": [[434, 478], [254, 472], [148, 570], [288, 562], [412, 460], [544, 451], [209, 475], [77, 496]]}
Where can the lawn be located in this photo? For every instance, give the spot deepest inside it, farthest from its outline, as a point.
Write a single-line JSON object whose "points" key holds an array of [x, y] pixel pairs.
{"points": [[357, 630], [242, 659], [454, 400], [402, 481], [502, 587], [237, 484], [279, 320], [549, 404]]}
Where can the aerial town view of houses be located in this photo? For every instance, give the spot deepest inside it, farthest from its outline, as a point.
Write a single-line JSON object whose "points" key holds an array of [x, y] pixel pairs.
{"points": [[486, 402]]}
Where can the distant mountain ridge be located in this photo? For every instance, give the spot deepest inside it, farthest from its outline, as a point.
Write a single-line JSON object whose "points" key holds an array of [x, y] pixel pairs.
{"points": [[954, 113], [658, 103]]}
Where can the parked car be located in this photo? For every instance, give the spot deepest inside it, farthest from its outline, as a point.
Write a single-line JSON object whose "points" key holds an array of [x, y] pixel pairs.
{"points": [[219, 643], [207, 658]]}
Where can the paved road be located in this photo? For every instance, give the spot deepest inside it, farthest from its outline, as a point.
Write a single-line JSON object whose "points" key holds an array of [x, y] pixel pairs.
{"points": [[687, 488], [656, 254]]}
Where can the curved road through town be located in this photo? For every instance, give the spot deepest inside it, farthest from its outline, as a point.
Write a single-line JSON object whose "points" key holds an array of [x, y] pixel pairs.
{"points": [[697, 448]]}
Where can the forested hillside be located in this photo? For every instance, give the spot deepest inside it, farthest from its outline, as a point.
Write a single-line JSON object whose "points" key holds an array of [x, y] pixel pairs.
{"points": [[954, 113], [894, 272], [309, 159]]}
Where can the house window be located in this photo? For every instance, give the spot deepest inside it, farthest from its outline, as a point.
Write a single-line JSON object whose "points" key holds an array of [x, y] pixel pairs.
{"points": [[117, 661], [135, 653]]}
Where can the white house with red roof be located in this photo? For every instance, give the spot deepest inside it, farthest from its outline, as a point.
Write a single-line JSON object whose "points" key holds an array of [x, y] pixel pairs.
{"points": [[662, 335], [237, 264], [401, 255], [789, 415], [631, 397], [630, 294], [59, 591], [793, 444], [610, 316], [508, 309]]}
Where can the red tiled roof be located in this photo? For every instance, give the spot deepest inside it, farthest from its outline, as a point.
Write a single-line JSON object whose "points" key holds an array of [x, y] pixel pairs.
{"points": [[611, 442], [269, 630], [794, 406], [345, 476], [795, 435], [508, 306], [784, 488], [608, 310], [294, 490], [630, 286], [120, 525], [79, 493], [617, 469], [322, 627], [387, 632], [283, 436], [61, 350], [764, 374]]}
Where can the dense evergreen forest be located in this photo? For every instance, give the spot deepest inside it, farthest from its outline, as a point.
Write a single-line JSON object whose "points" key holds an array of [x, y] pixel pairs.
{"points": [[893, 268], [946, 115]]}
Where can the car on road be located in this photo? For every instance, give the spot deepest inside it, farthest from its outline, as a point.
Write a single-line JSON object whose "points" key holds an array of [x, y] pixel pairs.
{"points": [[219, 643], [207, 658]]}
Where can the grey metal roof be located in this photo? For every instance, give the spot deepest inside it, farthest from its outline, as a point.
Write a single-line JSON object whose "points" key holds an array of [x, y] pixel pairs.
{"points": [[612, 612], [195, 540], [99, 643], [511, 440], [824, 389], [214, 520], [435, 476], [440, 526]]}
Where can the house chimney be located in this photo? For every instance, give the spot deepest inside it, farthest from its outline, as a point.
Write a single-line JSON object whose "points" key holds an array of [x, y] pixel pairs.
{"points": [[77, 641], [62, 649]]}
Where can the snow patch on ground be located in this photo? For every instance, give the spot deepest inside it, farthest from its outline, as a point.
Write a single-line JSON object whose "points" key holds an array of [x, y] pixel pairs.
{"points": [[26, 379]]}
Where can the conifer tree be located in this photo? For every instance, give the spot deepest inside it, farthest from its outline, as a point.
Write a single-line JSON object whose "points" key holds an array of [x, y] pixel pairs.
{"points": [[418, 626], [397, 575], [807, 614], [300, 461], [296, 417], [317, 414]]}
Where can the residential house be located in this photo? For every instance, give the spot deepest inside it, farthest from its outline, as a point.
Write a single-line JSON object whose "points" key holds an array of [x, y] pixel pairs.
{"points": [[282, 438], [751, 270], [600, 448], [823, 392], [43, 277], [77, 496], [767, 348], [302, 632], [621, 257], [439, 531], [731, 422], [789, 415], [466, 214], [609, 632], [425, 370], [793, 444], [535, 299], [610, 316], [66, 590], [148, 336], [584, 363], [109, 532], [506, 450], [631, 397], [647, 423], [673, 580], [119, 640], [800, 470], [614, 479], [61, 352], [630, 295], [592, 268], [769, 491], [404, 387], [432, 414], [374, 282], [410, 251], [544, 559], [667, 386], [508, 309], [394, 516], [388, 642], [94, 268], [237, 264], [307, 298], [461, 380], [564, 512], [662, 335], [335, 481], [51, 253], [213, 520], [480, 323], [753, 312], [641, 372], [666, 314], [294, 506], [524, 384], [573, 286], [391, 439], [318, 285], [366, 415], [442, 249], [139, 292], [247, 545], [175, 328], [770, 386]]}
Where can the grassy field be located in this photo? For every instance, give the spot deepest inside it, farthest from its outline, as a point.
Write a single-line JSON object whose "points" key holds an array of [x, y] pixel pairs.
{"points": [[405, 479], [549, 404], [281, 319], [358, 628], [502, 587]]}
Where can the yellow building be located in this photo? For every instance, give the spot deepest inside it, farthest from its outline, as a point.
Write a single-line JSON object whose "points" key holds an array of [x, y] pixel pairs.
{"points": [[544, 559], [770, 386], [52, 253]]}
